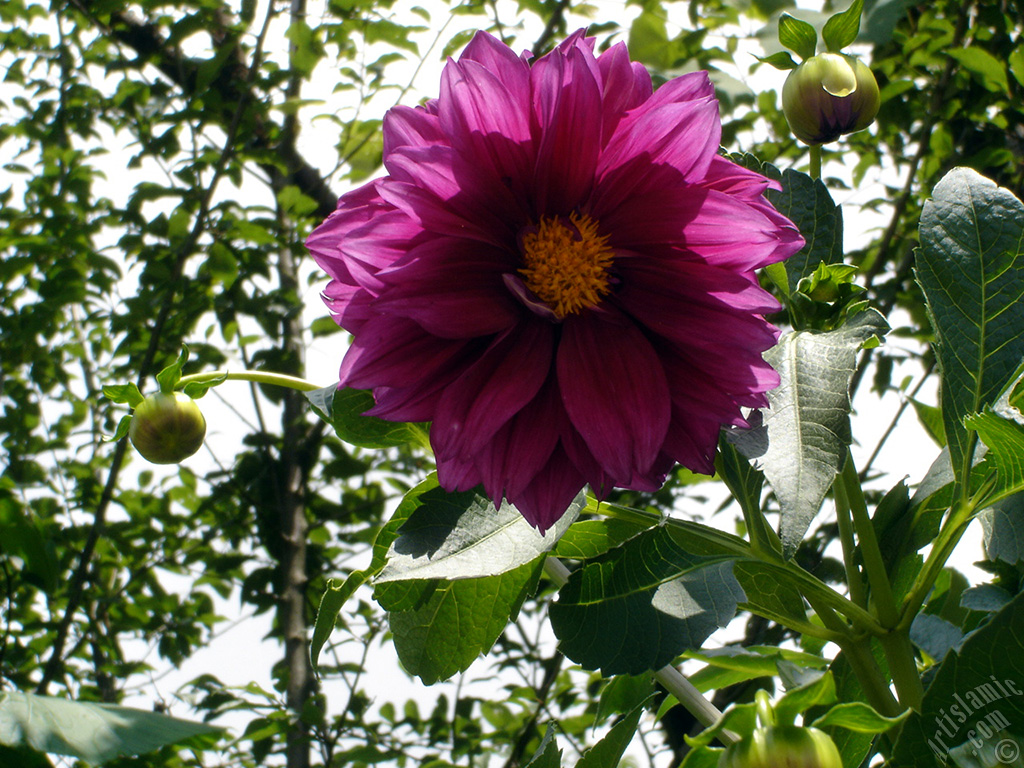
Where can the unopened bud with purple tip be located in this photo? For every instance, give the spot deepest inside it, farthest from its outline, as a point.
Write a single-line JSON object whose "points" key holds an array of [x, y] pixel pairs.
{"points": [[829, 95]]}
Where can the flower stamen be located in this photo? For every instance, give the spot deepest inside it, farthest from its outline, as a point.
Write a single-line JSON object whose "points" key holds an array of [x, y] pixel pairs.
{"points": [[567, 263]]}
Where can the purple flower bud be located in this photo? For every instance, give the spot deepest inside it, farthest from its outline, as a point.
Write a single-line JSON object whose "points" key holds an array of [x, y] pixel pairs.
{"points": [[167, 428], [829, 95]]}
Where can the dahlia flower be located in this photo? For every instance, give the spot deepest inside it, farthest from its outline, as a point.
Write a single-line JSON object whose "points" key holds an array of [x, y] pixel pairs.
{"points": [[558, 272]]}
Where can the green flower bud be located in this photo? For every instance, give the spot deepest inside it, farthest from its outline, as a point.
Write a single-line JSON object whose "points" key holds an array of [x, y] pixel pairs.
{"points": [[167, 428], [786, 746], [829, 95]]}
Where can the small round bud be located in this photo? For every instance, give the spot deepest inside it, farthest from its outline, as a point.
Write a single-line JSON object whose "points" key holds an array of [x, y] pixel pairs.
{"points": [[167, 428], [829, 95], [787, 746]]}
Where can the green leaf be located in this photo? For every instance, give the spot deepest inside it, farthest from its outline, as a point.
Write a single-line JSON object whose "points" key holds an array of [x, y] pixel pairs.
{"points": [[1005, 442], [331, 603], [820, 692], [462, 536], [586, 539], [930, 417], [842, 29], [1003, 526], [934, 635], [643, 604], [169, 376], [196, 389], [609, 750], [343, 409], [336, 595], [858, 717], [781, 60], [123, 393], [123, 427], [988, 70], [454, 622], [86, 730], [806, 430], [548, 755], [648, 40], [809, 205], [1016, 62], [976, 692], [970, 268], [23, 757], [798, 36]]}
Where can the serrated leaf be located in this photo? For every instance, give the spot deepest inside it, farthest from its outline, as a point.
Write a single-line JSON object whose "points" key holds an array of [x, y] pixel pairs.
{"points": [[123, 393], [798, 36], [1003, 527], [86, 730], [970, 268], [462, 536], [1005, 442], [643, 604], [343, 409], [842, 29], [457, 621], [858, 717], [805, 433], [609, 750], [979, 684], [548, 755]]}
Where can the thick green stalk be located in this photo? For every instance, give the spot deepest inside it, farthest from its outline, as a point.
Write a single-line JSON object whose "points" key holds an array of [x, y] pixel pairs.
{"points": [[853, 575], [874, 565]]}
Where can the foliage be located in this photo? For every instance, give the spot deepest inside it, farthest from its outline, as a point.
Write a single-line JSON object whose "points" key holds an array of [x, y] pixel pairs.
{"points": [[112, 260]]}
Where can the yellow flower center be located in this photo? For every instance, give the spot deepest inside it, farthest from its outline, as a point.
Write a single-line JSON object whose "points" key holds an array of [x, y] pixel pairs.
{"points": [[567, 263]]}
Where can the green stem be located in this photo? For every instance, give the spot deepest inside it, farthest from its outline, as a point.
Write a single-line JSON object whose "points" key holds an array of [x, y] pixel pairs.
{"points": [[736, 547], [816, 161], [853, 575], [874, 565], [671, 678], [942, 548], [260, 377], [903, 668], [864, 666]]}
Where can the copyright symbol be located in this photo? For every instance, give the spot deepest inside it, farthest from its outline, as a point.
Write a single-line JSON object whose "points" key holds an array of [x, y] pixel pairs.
{"points": [[1007, 751]]}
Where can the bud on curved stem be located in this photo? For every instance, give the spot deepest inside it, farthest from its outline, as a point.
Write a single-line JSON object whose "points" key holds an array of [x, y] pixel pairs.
{"points": [[167, 428], [785, 746], [829, 95]]}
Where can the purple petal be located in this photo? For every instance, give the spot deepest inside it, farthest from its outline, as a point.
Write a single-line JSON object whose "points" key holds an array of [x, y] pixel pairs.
{"points": [[566, 107], [493, 389], [615, 392], [625, 86], [681, 137], [452, 288], [393, 351], [550, 493]]}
